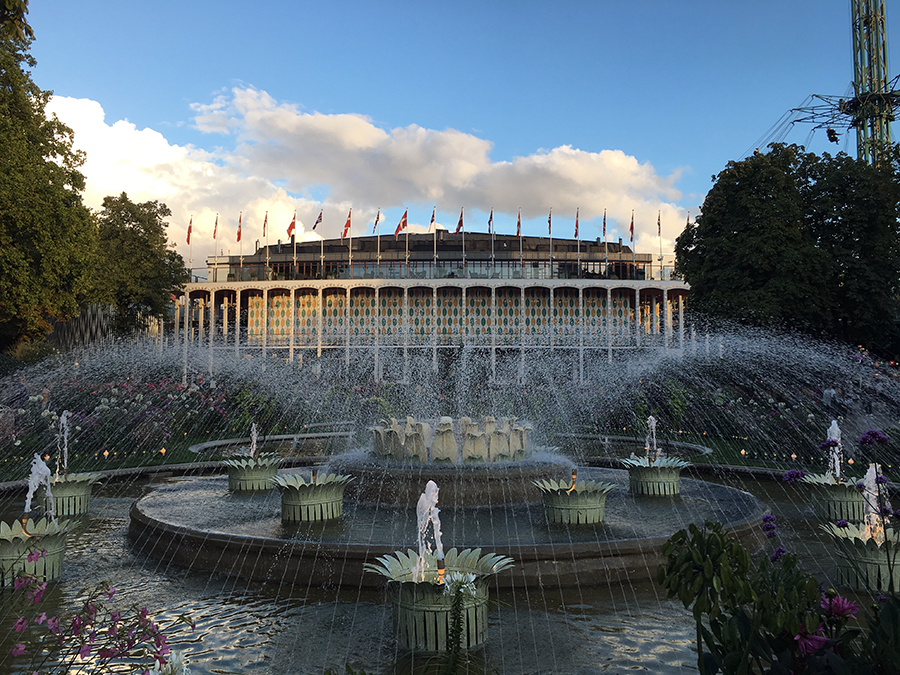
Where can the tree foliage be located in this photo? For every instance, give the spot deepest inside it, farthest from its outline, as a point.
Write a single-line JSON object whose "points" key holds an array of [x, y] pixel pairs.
{"points": [[46, 233], [13, 24], [793, 238], [137, 272]]}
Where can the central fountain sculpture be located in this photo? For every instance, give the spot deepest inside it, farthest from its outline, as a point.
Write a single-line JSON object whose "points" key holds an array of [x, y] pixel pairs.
{"points": [[654, 474], [254, 471], [838, 497]]}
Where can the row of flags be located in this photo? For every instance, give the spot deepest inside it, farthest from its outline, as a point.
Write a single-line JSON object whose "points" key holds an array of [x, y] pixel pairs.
{"points": [[402, 225]]}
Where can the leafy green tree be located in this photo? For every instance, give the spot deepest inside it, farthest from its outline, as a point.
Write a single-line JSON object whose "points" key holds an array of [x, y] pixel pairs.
{"points": [[46, 234], [137, 271], [13, 24], [792, 238]]}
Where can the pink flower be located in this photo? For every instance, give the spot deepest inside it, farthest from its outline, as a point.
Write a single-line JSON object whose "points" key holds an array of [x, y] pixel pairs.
{"points": [[115, 616], [20, 624], [809, 643], [53, 624], [40, 618], [18, 649], [85, 651], [37, 593], [110, 592], [839, 607], [21, 582]]}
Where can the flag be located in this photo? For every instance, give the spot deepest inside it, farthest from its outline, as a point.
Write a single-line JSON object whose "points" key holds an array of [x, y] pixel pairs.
{"points": [[239, 226], [632, 227], [658, 224], [190, 227], [519, 224], [216, 226], [604, 224], [459, 225], [432, 224], [318, 220], [265, 222], [346, 226], [490, 221], [576, 223], [293, 225], [550, 223], [377, 218], [402, 225]]}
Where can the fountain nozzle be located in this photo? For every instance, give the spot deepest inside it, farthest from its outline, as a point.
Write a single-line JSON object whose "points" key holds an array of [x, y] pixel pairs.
{"points": [[440, 570], [26, 516], [574, 478]]}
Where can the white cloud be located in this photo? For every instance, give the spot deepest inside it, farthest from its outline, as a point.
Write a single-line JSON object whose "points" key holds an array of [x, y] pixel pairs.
{"points": [[275, 157]]}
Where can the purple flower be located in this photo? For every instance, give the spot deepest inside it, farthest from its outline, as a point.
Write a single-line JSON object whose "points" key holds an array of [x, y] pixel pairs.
{"points": [[871, 437], [810, 644], [886, 511], [37, 593], [20, 624], [53, 624], [860, 485], [777, 554], [40, 618], [828, 443], [21, 582], [793, 476], [18, 649], [34, 556], [839, 607], [880, 480], [85, 650], [110, 592], [842, 523]]}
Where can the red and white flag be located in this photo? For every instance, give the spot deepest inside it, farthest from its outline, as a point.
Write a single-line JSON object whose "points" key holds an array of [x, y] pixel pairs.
{"points": [[490, 221], [519, 224], [377, 218], [604, 224], [658, 224], [459, 225], [293, 225], [216, 226], [550, 223], [576, 223], [346, 226], [265, 223], [318, 220], [190, 227], [432, 223], [402, 225], [631, 229], [239, 226]]}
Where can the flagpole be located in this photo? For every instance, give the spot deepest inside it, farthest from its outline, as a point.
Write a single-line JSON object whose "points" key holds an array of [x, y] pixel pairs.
{"points": [[241, 242], [434, 228], [407, 250], [605, 248], [491, 232], [519, 235], [294, 242], [578, 237], [350, 243], [659, 234], [191, 245], [266, 233], [550, 233], [461, 219], [215, 249], [633, 262]]}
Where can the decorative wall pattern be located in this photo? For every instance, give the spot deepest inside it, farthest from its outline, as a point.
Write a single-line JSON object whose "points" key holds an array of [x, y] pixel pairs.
{"points": [[452, 316]]}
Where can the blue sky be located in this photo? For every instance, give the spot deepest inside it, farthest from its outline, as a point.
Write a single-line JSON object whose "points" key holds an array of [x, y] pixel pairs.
{"points": [[227, 107]]}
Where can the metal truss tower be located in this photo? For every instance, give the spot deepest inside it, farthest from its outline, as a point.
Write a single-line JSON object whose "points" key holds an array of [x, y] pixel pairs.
{"points": [[871, 110]]}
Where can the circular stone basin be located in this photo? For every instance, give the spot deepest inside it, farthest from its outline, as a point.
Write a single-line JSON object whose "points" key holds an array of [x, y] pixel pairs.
{"points": [[198, 523], [397, 483]]}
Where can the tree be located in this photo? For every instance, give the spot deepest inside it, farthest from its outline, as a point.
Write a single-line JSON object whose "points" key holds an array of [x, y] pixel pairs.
{"points": [[792, 238], [46, 234], [13, 24], [136, 270]]}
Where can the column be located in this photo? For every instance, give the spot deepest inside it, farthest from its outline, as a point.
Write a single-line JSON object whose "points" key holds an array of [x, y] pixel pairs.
{"points": [[377, 320], [492, 326], [265, 320], [404, 326], [187, 312], [293, 319], [319, 325], [665, 318], [522, 315], [212, 328], [637, 317], [237, 322], [580, 333], [225, 317], [434, 333], [551, 318], [609, 323], [347, 315], [681, 321]]}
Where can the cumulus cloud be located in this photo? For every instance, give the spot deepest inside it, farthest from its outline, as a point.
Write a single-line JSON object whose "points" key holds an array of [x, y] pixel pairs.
{"points": [[273, 157]]}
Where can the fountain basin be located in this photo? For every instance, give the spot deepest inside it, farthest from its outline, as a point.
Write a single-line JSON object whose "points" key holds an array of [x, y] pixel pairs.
{"points": [[197, 523], [72, 493], [862, 563], [15, 546]]}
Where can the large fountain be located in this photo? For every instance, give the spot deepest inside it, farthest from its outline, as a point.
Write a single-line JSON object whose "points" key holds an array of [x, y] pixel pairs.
{"points": [[579, 595]]}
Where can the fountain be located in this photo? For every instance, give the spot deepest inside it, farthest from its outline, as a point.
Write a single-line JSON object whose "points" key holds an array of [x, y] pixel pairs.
{"points": [[867, 551], [654, 474], [838, 497], [577, 595], [71, 491], [252, 472], [424, 607]]}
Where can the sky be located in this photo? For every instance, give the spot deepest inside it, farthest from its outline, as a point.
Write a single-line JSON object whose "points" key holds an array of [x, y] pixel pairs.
{"points": [[227, 109]]}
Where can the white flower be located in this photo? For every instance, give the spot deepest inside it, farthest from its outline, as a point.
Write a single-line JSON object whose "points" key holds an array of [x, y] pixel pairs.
{"points": [[463, 582], [45, 413], [771, 401], [18, 442], [176, 665]]}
